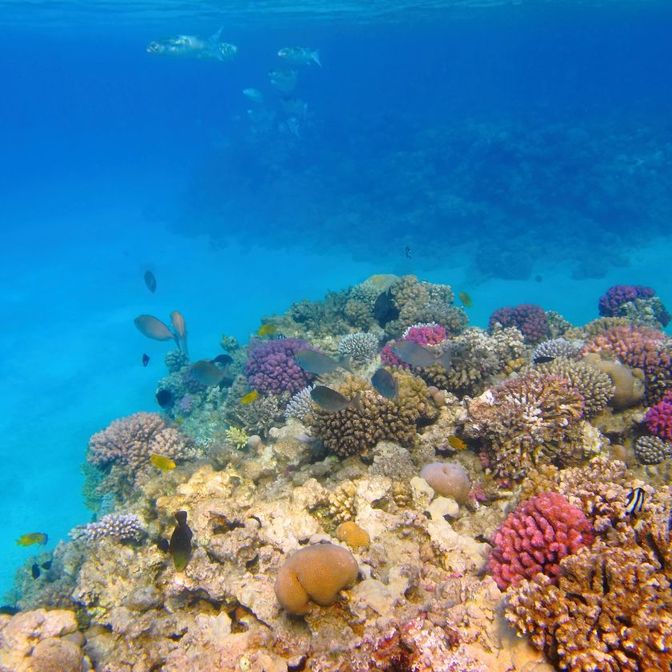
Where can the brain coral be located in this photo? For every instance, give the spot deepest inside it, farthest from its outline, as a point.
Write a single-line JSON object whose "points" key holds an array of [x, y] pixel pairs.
{"points": [[130, 441], [595, 386], [527, 421], [356, 429], [611, 609], [529, 319], [535, 537], [271, 368]]}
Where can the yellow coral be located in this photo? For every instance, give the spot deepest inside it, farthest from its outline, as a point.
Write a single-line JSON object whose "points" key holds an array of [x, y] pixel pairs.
{"points": [[237, 437]]}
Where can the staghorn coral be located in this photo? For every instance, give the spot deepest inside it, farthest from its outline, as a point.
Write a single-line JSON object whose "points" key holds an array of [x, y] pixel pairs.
{"points": [[529, 319], [554, 348], [527, 421], [129, 442], [271, 368], [535, 537], [359, 427], [360, 348], [300, 406], [119, 526], [611, 609], [652, 449], [595, 386]]}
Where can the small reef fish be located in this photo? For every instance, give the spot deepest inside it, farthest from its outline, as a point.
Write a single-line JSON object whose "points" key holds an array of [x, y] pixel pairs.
{"points": [[145, 359], [457, 443], [249, 397], [300, 55], [385, 384], [152, 327], [150, 281], [634, 501], [191, 46], [331, 400], [180, 327], [544, 359], [465, 299], [267, 330], [165, 398], [318, 363], [254, 95], [283, 81], [162, 462], [206, 373], [32, 538], [419, 356], [35, 571], [180, 542]]}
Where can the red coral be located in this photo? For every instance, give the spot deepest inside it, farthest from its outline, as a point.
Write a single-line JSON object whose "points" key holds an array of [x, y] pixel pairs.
{"points": [[535, 537]]}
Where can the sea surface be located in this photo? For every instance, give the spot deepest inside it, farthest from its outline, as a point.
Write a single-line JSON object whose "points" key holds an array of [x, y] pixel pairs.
{"points": [[519, 151]]}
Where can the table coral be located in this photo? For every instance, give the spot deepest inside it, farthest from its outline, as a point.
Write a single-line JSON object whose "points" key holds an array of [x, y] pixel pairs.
{"points": [[527, 421], [535, 537]]}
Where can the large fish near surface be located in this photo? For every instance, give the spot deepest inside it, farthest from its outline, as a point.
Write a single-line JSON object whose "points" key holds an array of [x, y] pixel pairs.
{"points": [[191, 46]]}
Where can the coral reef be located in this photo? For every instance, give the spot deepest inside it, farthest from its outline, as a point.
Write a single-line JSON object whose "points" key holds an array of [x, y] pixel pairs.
{"points": [[300, 406], [448, 479], [555, 348], [271, 368], [359, 348], [652, 449], [659, 418], [529, 319], [121, 526], [611, 302], [535, 537]]}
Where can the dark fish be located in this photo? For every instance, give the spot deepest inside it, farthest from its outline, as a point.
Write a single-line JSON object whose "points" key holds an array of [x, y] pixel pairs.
{"points": [[35, 570], [206, 373], [165, 398], [152, 327], [634, 501], [9, 610], [145, 359], [46, 564], [544, 359], [150, 281], [419, 356], [407, 252], [331, 400], [317, 363], [222, 359], [180, 542], [385, 384]]}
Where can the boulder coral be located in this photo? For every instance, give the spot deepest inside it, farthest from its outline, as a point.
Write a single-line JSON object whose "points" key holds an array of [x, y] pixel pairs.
{"points": [[317, 574], [448, 479]]}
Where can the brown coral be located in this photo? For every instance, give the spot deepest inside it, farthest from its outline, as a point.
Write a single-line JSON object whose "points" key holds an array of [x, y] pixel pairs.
{"points": [[527, 421]]}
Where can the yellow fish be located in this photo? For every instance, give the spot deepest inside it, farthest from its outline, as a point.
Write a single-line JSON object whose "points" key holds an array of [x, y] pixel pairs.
{"points": [[162, 462], [32, 538], [457, 443], [267, 330], [249, 397], [465, 299]]}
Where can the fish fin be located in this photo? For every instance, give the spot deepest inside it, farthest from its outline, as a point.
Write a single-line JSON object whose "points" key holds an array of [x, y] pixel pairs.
{"points": [[315, 56], [356, 402]]}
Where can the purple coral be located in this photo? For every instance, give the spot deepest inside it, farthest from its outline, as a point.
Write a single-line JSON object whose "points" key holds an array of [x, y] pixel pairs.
{"points": [[535, 537], [529, 319], [659, 418], [119, 526], [611, 302], [271, 368]]}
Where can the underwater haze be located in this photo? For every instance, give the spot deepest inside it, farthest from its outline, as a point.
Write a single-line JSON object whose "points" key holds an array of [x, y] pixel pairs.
{"points": [[519, 152]]}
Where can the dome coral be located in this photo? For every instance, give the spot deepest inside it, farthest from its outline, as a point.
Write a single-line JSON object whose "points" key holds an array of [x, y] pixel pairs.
{"points": [[659, 418], [271, 368], [535, 537]]}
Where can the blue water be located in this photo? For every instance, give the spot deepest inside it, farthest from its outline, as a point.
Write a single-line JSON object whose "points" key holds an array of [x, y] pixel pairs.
{"points": [[521, 153]]}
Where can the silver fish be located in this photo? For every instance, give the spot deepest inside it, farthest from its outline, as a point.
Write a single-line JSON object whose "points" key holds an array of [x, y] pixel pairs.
{"points": [[331, 400], [634, 501], [300, 55], [192, 46], [385, 384], [317, 362], [152, 327]]}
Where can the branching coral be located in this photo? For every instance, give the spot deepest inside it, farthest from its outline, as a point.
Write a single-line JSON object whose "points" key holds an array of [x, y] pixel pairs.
{"points": [[659, 418], [120, 526], [529, 319], [271, 367], [130, 441], [527, 421], [535, 537], [360, 347], [300, 406], [554, 348], [611, 302]]}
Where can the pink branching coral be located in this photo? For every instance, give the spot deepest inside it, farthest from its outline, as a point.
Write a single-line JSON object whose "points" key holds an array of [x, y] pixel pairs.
{"points": [[428, 333], [535, 537], [531, 320], [659, 418], [130, 442], [527, 421], [272, 369]]}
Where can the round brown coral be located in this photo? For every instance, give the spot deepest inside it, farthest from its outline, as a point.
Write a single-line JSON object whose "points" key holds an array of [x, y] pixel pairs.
{"points": [[527, 421]]}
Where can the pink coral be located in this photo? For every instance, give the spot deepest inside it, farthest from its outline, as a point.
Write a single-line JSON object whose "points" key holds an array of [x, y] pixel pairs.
{"points": [[272, 369], [130, 441], [429, 333], [535, 537], [531, 320], [659, 418]]}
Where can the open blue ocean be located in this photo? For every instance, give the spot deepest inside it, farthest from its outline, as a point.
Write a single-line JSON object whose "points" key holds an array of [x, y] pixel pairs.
{"points": [[520, 152]]}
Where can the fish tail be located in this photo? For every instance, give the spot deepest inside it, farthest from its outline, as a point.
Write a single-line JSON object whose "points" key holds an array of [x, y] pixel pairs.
{"points": [[315, 56]]}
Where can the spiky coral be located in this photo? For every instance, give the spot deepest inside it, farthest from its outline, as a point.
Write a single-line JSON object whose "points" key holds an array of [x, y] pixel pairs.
{"points": [[374, 418], [527, 421]]}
